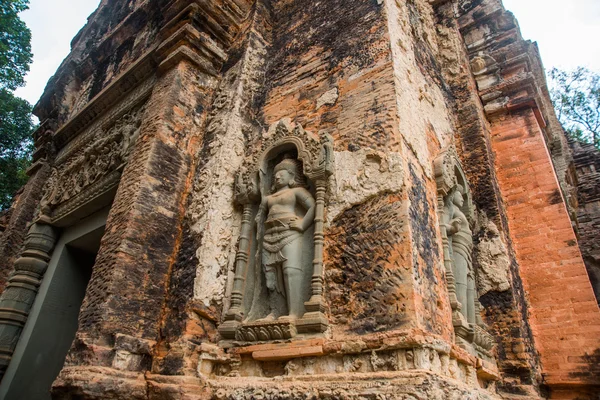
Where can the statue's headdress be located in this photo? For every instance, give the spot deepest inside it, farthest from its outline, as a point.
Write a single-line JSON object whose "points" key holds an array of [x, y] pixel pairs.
{"points": [[449, 199], [288, 165], [294, 168]]}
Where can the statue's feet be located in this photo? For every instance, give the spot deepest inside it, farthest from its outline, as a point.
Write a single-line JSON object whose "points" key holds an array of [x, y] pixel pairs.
{"points": [[269, 318], [287, 318]]}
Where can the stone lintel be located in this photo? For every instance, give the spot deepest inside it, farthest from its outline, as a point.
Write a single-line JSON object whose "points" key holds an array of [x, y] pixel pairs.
{"points": [[278, 346], [288, 354]]}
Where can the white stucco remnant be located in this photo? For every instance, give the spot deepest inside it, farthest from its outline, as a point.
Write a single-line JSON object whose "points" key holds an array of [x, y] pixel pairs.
{"points": [[492, 258], [126, 361], [214, 214], [212, 208], [362, 175], [328, 98], [422, 111]]}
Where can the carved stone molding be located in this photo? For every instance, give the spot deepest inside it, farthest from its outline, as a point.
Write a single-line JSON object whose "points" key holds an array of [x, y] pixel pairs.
{"points": [[345, 374], [253, 332], [316, 156], [93, 170]]}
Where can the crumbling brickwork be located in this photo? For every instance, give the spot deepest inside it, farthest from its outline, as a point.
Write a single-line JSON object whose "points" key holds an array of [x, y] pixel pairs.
{"points": [[428, 157]]}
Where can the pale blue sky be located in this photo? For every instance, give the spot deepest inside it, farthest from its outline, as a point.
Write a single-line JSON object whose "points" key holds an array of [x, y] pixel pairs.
{"points": [[568, 33]]}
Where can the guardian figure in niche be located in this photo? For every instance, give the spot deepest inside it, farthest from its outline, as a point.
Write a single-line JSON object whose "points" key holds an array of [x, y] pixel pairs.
{"points": [[282, 241], [460, 240], [456, 212], [277, 290]]}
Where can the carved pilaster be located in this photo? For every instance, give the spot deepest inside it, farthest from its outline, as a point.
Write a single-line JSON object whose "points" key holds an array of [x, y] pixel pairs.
{"points": [[246, 188], [22, 288], [314, 319]]}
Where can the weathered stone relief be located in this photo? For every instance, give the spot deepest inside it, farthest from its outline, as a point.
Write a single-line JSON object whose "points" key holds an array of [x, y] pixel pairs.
{"points": [[211, 209], [460, 244], [277, 288], [281, 228], [419, 100], [456, 214], [378, 374], [92, 170], [493, 263], [362, 175]]}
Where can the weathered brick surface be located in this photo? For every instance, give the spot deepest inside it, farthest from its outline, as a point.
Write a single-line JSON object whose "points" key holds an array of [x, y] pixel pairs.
{"points": [[394, 83], [357, 63], [116, 35], [506, 311], [565, 317], [368, 284], [143, 229], [359, 66], [587, 169]]}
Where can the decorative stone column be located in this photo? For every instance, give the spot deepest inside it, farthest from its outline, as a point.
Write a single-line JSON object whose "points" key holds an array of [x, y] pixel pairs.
{"points": [[24, 208], [246, 189], [22, 288], [314, 319]]}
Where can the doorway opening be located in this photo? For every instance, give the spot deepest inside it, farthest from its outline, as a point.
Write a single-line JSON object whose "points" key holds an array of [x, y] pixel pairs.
{"points": [[53, 320]]}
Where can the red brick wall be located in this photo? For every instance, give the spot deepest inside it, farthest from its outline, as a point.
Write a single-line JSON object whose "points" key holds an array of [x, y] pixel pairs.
{"points": [[565, 316]]}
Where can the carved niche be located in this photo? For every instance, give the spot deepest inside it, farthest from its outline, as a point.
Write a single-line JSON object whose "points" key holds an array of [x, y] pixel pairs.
{"points": [[278, 284], [93, 170], [456, 215]]}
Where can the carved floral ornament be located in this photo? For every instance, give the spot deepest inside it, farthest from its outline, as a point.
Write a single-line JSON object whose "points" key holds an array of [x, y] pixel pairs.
{"points": [[278, 284], [92, 170]]}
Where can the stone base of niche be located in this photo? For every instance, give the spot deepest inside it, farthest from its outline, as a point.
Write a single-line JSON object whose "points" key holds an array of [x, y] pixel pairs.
{"points": [[235, 370], [265, 331], [475, 340], [306, 369]]}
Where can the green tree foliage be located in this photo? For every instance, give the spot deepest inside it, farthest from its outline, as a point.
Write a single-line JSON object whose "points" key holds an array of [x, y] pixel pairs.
{"points": [[576, 97], [16, 125], [15, 145], [15, 44]]}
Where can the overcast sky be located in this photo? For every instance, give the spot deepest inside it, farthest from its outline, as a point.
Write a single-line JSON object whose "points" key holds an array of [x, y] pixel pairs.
{"points": [[568, 33]]}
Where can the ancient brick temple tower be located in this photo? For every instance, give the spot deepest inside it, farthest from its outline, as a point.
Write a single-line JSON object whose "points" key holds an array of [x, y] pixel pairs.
{"points": [[298, 199]]}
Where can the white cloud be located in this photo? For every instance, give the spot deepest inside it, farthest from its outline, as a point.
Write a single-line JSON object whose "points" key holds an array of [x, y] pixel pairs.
{"points": [[567, 32]]}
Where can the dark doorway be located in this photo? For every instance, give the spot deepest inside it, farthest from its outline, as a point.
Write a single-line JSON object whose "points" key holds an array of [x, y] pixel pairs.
{"points": [[53, 322]]}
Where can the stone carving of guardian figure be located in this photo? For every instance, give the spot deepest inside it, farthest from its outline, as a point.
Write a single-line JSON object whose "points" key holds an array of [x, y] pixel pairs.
{"points": [[460, 240], [277, 289], [282, 241], [456, 212]]}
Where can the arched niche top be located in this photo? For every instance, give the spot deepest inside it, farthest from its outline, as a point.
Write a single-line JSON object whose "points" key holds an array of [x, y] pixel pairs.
{"points": [[315, 152]]}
